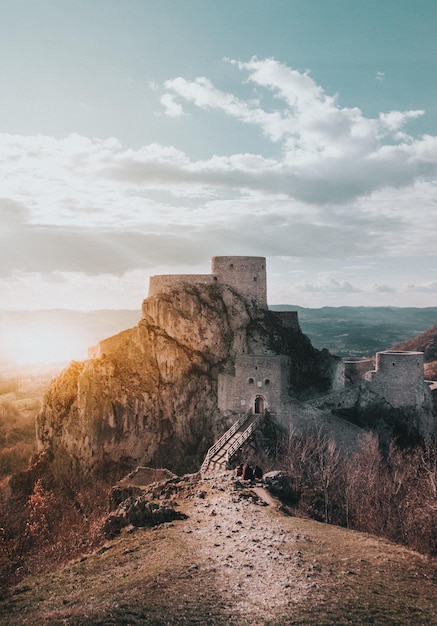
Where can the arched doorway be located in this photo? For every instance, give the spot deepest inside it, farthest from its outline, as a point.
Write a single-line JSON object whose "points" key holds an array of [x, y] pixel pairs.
{"points": [[259, 404]]}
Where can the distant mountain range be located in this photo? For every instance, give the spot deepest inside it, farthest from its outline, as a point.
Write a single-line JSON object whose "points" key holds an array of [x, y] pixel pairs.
{"points": [[345, 331], [361, 331]]}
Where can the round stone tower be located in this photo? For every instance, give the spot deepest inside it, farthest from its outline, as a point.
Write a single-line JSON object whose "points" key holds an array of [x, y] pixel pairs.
{"points": [[399, 377], [246, 274]]}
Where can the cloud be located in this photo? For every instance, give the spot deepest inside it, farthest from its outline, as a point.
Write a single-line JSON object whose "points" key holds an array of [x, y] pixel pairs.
{"points": [[380, 288], [380, 76], [329, 153], [337, 184], [12, 213], [430, 287], [172, 108], [327, 285], [59, 249]]}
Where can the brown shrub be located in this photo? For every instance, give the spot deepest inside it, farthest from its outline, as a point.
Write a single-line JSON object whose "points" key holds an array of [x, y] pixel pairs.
{"points": [[394, 496]]}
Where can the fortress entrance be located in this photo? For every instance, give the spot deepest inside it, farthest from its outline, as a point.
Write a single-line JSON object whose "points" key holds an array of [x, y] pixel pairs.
{"points": [[259, 404]]}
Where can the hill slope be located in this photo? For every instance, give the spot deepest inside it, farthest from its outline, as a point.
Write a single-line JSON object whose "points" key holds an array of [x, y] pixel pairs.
{"points": [[361, 331], [426, 343], [233, 561]]}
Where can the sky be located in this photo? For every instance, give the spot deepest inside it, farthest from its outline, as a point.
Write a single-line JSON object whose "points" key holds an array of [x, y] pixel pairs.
{"points": [[144, 137]]}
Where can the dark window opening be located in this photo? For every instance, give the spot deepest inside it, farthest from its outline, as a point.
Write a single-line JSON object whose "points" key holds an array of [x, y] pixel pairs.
{"points": [[250, 381], [267, 381]]}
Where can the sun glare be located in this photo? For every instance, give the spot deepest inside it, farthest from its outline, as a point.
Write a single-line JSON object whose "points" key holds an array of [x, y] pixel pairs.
{"points": [[42, 343]]}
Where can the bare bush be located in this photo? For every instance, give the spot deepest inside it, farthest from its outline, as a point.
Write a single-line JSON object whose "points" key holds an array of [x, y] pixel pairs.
{"points": [[314, 463], [54, 525], [394, 496]]}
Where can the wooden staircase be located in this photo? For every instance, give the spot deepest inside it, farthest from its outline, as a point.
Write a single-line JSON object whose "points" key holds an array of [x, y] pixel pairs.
{"points": [[220, 454]]}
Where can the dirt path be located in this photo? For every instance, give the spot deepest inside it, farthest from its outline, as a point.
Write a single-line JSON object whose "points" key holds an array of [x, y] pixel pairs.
{"points": [[256, 569], [235, 561]]}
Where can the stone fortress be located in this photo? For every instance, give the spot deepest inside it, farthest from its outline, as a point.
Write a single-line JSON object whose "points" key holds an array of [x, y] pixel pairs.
{"points": [[203, 366], [260, 382], [246, 274], [395, 375]]}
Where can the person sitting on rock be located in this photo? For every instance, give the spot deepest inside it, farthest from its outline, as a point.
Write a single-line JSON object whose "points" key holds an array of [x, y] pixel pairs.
{"points": [[257, 473], [239, 470]]}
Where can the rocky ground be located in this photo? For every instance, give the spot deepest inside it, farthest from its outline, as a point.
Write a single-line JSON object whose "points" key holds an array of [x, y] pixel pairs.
{"points": [[238, 558]]}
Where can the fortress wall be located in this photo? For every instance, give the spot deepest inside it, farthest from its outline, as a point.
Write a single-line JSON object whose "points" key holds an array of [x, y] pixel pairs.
{"points": [[356, 369], [246, 274], [288, 319], [226, 396], [163, 282], [264, 376], [399, 377]]}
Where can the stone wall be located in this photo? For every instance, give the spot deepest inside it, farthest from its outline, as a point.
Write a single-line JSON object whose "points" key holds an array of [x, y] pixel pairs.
{"points": [[398, 377], [263, 377], [246, 274], [355, 370], [226, 394], [163, 282], [288, 319]]}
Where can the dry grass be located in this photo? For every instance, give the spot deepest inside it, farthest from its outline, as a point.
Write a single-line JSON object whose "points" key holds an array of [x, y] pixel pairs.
{"points": [[233, 562]]}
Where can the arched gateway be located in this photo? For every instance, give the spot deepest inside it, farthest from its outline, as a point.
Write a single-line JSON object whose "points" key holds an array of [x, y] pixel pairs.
{"points": [[259, 404]]}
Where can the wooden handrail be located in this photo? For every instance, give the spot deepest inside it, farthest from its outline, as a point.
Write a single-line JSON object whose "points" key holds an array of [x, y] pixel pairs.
{"points": [[224, 439], [242, 438]]}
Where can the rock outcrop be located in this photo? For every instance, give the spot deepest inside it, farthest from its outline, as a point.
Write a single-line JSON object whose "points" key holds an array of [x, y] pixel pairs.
{"points": [[149, 397]]}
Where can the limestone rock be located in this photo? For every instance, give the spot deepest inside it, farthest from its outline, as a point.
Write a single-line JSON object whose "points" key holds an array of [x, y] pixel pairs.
{"points": [[150, 398], [139, 512]]}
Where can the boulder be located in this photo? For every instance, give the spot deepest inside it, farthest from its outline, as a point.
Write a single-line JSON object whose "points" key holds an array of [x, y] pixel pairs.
{"points": [[137, 511]]}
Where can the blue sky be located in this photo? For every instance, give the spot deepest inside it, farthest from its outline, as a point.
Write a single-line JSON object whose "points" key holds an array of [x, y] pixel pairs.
{"points": [[144, 137]]}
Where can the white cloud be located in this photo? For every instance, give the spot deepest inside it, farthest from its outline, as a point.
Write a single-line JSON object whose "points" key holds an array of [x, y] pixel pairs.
{"points": [[327, 285], [380, 76], [330, 153], [172, 108], [339, 185]]}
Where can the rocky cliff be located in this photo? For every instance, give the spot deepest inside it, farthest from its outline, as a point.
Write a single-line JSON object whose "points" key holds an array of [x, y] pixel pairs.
{"points": [[150, 395]]}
